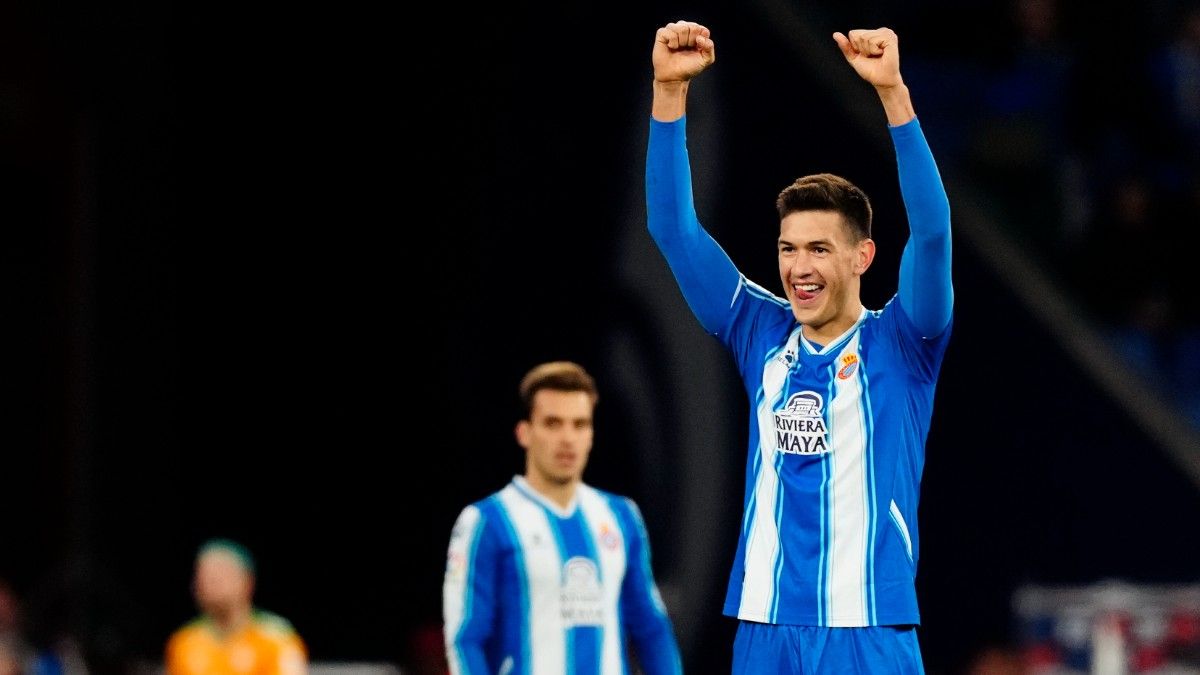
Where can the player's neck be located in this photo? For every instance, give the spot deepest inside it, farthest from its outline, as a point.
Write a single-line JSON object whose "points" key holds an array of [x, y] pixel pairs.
{"points": [[562, 494], [829, 331], [233, 620]]}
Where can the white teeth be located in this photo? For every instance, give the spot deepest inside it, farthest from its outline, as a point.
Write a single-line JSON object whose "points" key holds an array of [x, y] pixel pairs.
{"points": [[808, 288]]}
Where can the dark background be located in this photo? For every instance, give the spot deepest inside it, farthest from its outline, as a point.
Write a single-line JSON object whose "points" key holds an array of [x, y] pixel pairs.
{"points": [[273, 273]]}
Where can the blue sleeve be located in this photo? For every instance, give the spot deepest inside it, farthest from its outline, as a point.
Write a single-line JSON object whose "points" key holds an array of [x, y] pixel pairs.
{"points": [[642, 611], [705, 274], [469, 593], [925, 290]]}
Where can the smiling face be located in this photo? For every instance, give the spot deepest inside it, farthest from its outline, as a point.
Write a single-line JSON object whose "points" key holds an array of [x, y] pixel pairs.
{"points": [[557, 437], [820, 266]]}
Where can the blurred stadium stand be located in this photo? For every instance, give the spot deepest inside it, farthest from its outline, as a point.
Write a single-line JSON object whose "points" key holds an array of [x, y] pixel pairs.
{"points": [[1109, 628]]}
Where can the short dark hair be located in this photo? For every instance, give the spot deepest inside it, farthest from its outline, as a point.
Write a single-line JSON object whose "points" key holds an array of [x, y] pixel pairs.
{"points": [[827, 192], [556, 376]]}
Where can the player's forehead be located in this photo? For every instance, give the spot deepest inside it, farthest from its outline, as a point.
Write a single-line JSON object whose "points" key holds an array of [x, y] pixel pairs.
{"points": [[219, 561], [561, 404], [800, 228]]}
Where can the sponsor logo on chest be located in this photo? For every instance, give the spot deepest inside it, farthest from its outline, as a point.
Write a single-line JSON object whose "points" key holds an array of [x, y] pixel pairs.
{"points": [[582, 596], [800, 425]]}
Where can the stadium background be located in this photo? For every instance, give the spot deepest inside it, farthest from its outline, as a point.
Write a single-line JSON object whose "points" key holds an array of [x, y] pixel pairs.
{"points": [[272, 272]]}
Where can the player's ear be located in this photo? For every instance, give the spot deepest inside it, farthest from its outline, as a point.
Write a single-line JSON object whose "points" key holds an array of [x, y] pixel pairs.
{"points": [[522, 433], [865, 255]]}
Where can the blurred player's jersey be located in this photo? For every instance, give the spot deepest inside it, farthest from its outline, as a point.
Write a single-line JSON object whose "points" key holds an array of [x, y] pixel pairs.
{"points": [[532, 588], [267, 645]]}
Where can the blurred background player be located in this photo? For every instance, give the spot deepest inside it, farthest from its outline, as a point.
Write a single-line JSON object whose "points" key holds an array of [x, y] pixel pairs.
{"points": [[549, 575], [231, 635]]}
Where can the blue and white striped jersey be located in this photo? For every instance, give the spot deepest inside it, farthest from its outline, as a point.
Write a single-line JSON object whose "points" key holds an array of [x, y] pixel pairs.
{"points": [[534, 589], [837, 432]]}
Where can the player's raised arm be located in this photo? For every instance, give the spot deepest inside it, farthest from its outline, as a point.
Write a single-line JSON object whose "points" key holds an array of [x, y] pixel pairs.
{"points": [[925, 289], [706, 275]]}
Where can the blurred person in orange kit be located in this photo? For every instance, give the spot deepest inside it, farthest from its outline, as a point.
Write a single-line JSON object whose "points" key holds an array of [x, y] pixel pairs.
{"points": [[232, 636]]}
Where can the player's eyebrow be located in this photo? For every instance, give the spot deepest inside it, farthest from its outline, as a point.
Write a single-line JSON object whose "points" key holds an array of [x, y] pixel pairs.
{"points": [[814, 242]]}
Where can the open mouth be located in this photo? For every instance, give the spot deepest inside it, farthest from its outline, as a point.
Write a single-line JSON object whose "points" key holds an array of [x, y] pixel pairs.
{"points": [[806, 292]]}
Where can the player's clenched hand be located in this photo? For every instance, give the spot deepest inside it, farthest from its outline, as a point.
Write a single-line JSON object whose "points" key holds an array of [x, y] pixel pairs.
{"points": [[682, 50], [874, 54]]}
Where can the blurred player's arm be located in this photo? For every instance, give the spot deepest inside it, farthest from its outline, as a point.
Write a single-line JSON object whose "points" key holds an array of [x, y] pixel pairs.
{"points": [[293, 654], [642, 611], [175, 660], [468, 593]]}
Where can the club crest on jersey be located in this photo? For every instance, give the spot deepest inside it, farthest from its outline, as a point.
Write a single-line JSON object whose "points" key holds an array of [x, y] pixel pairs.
{"points": [[582, 597], [609, 537], [849, 366], [800, 427]]}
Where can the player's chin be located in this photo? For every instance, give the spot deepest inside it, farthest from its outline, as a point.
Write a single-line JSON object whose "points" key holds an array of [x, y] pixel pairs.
{"points": [[564, 476], [804, 312]]}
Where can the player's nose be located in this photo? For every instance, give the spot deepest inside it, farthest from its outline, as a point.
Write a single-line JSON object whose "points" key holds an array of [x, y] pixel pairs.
{"points": [[801, 266]]}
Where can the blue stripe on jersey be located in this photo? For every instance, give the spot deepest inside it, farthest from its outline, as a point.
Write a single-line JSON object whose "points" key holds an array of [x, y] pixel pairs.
{"points": [[755, 462], [868, 418], [564, 554], [523, 583], [583, 642]]}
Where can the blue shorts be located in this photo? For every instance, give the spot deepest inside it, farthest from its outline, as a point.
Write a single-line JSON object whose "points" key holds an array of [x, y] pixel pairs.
{"points": [[761, 648]]}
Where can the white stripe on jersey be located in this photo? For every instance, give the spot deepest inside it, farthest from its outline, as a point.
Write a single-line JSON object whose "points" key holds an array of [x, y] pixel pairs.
{"points": [[849, 507], [543, 569], [898, 518], [609, 540], [757, 291], [762, 542]]}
